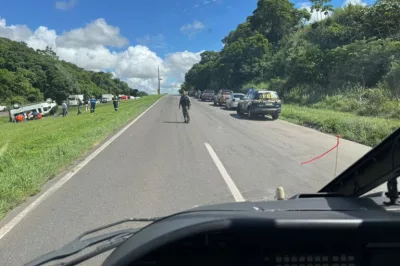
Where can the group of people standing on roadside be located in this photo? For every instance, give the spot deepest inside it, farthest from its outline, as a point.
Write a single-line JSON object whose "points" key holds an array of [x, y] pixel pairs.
{"points": [[92, 102]]}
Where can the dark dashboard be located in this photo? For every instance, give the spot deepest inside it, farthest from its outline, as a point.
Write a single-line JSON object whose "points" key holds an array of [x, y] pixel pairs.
{"points": [[252, 248], [358, 235], [290, 248]]}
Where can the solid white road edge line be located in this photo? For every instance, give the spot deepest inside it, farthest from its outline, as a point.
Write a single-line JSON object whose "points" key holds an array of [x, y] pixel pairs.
{"points": [[228, 180], [18, 218]]}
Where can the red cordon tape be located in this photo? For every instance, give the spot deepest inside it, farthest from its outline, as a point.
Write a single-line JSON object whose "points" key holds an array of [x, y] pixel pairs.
{"points": [[325, 153]]}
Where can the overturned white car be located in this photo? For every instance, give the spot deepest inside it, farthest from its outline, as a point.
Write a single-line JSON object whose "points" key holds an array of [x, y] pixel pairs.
{"points": [[44, 108]]}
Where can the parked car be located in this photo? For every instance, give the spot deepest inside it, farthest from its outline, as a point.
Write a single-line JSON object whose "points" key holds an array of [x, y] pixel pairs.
{"points": [[197, 95], [215, 99], [207, 95], [221, 97], [233, 99], [260, 103]]}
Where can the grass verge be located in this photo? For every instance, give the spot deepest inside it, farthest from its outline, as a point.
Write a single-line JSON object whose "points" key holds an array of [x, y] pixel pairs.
{"points": [[32, 153], [365, 130]]}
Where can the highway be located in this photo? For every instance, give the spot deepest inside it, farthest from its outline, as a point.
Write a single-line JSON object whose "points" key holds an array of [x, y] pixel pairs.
{"points": [[160, 165]]}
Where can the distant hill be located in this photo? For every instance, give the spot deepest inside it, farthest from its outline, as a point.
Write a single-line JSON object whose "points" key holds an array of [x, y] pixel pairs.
{"points": [[28, 75]]}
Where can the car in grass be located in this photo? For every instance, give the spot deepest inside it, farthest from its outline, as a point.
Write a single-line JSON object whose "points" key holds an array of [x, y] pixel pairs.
{"points": [[260, 103], [49, 107], [233, 99]]}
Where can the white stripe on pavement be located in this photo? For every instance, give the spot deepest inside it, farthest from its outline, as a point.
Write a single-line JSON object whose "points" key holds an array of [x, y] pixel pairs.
{"points": [[228, 180], [17, 219]]}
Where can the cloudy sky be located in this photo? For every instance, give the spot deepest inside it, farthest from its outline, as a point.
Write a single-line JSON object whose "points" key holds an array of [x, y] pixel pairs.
{"points": [[129, 38]]}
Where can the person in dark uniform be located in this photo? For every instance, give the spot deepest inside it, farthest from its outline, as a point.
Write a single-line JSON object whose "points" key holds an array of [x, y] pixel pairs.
{"points": [[92, 104], [115, 102], [185, 103], [79, 106]]}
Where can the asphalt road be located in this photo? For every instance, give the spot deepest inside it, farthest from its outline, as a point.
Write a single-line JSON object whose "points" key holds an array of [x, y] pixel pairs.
{"points": [[160, 166]]}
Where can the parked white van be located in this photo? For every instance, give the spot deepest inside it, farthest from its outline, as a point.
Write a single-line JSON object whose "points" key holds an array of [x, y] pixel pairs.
{"points": [[73, 99], [106, 98]]}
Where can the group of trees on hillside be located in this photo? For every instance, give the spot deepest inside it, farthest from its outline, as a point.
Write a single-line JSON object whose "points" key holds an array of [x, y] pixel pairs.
{"points": [[27, 75], [355, 49]]}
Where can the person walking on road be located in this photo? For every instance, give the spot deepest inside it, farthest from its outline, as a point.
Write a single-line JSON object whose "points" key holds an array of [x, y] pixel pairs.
{"points": [[64, 109], [92, 104], [115, 102], [185, 103]]}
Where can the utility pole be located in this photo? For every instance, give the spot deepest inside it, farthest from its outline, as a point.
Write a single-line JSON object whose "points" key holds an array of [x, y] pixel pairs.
{"points": [[159, 83]]}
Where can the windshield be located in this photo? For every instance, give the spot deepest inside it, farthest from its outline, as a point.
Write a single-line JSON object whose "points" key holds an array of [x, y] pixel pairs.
{"points": [[238, 96], [320, 78]]}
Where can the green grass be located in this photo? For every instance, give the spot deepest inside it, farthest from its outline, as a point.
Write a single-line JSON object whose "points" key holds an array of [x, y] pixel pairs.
{"points": [[32, 153], [366, 130]]}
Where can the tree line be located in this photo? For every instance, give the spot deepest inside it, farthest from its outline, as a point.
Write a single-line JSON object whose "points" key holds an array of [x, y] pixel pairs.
{"points": [[355, 51], [28, 75]]}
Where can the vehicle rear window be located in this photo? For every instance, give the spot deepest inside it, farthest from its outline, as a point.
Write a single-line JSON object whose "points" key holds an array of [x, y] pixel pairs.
{"points": [[238, 96], [209, 91], [226, 92]]}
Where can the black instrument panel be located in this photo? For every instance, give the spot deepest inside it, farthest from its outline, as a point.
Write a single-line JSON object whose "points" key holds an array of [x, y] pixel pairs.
{"points": [[283, 249], [353, 235]]}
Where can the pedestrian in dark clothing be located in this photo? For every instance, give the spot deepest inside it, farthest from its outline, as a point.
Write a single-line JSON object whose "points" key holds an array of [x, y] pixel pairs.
{"points": [[79, 106], [115, 102], [64, 109], [185, 103], [92, 104]]}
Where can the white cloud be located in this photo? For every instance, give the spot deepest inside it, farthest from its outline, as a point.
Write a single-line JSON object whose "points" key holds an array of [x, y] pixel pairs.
{"points": [[151, 85], [315, 15], [14, 32], [179, 63], [139, 62], [96, 33], [87, 48], [41, 38], [66, 5], [95, 58], [354, 2], [192, 28], [205, 2]]}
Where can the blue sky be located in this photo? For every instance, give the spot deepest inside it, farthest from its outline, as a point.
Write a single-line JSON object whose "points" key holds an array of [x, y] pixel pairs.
{"points": [[138, 19], [168, 31]]}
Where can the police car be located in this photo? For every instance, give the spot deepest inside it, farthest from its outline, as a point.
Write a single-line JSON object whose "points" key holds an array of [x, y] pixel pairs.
{"points": [[260, 103]]}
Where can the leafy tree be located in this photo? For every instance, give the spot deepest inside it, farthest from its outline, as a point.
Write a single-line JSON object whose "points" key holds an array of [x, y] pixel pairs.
{"points": [[353, 51], [276, 19]]}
